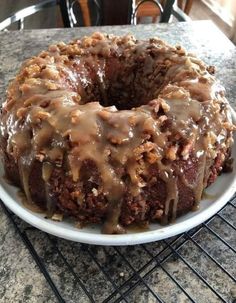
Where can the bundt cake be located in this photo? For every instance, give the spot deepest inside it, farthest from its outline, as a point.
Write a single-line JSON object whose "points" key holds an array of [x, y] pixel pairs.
{"points": [[114, 130]]}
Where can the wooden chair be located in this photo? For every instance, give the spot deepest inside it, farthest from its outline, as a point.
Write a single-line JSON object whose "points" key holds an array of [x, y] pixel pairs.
{"points": [[147, 8], [186, 7], [109, 12], [162, 8], [116, 12], [171, 9], [85, 12], [30, 10]]}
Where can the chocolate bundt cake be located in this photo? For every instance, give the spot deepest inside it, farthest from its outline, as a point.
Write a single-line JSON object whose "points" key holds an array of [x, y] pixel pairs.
{"points": [[114, 130]]}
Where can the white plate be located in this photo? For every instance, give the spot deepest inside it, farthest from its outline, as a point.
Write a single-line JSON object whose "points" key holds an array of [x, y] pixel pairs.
{"points": [[221, 191]]}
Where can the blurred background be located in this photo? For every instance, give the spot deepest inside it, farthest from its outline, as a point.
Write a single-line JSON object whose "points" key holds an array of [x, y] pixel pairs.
{"points": [[113, 12]]}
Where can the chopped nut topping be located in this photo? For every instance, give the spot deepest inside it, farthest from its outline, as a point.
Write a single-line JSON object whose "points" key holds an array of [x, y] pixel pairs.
{"points": [[98, 36], [21, 112], [50, 73], [158, 214], [168, 62], [211, 69], [42, 115], [40, 157], [171, 153], [32, 71], [87, 41], [53, 48], [146, 147], [77, 99], [165, 106], [114, 140], [75, 194], [187, 148], [57, 217], [51, 85], [162, 118], [95, 192], [152, 157], [75, 115], [132, 120], [105, 115], [203, 80]]}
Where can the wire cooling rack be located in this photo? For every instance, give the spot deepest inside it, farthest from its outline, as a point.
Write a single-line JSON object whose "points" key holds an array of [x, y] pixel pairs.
{"points": [[196, 266]]}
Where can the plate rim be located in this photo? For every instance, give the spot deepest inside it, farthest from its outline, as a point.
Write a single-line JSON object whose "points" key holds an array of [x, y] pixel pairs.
{"points": [[55, 229]]}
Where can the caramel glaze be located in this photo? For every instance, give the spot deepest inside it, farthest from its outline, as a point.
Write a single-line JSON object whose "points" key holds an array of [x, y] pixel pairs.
{"points": [[123, 104]]}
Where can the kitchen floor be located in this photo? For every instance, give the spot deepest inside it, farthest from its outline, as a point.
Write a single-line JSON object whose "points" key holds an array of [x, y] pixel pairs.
{"points": [[52, 18]]}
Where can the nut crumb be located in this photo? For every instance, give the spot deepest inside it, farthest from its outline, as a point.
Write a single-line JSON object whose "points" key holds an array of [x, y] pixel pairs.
{"points": [[105, 115], [42, 115], [95, 192], [171, 153], [40, 157], [75, 116], [57, 217]]}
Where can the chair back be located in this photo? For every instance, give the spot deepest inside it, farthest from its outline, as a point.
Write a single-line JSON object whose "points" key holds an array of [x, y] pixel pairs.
{"points": [[116, 12], [97, 12], [20, 16]]}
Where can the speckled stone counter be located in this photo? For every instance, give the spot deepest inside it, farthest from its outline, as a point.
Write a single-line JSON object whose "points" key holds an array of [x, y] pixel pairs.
{"points": [[20, 277]]}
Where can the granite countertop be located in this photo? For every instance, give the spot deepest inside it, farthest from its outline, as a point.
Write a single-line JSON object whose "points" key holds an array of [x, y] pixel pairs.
{"points": [[20, 278]]}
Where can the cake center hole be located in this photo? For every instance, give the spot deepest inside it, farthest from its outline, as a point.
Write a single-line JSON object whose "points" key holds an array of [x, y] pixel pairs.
{"points": [[123, 84]]}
